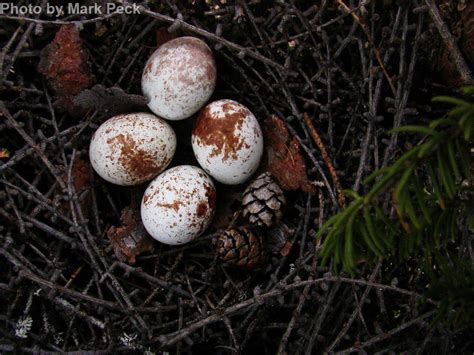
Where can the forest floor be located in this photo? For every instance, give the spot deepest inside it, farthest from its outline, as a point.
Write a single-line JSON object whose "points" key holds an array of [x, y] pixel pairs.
{"points": [[332, 77]]}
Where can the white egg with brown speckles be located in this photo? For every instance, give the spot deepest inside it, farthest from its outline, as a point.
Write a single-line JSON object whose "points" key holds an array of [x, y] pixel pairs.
{"points": [[178, 205], [179, 78], [132, 148], [227, 141]]}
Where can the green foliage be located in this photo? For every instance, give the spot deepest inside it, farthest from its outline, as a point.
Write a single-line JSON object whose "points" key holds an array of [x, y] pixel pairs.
{"points": [[453, 286], [428, 190]]}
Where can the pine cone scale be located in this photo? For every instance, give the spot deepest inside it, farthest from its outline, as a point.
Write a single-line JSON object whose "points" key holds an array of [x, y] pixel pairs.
{"points": [[274, 203]]}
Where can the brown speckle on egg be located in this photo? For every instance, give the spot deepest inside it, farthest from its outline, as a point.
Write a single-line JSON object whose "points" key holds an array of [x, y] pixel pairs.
{"points": [[133, 148], [201, 209], [179, 78], [227, 141], [181, 213], [138, 162], [220, 133]]}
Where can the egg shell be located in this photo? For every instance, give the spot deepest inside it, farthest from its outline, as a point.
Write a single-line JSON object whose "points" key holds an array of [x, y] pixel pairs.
{"points": [[179, 78], [178, 205], [132, 148], [227, 141]]}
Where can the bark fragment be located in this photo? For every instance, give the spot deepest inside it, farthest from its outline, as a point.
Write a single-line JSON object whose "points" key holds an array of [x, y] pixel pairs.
{"points": [[131, 239], [285, 161], [64, 62]]}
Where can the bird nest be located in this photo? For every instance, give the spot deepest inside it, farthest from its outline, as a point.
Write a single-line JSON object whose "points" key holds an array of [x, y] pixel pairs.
{"points": [[326, 80]]}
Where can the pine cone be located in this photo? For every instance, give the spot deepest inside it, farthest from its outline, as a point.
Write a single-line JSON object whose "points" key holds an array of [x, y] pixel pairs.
{"points": [[262, 201], [279, 239], [241, 246]]}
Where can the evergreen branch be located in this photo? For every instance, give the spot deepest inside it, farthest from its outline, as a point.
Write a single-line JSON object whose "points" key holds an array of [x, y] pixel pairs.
{"points": [[425, 184]]}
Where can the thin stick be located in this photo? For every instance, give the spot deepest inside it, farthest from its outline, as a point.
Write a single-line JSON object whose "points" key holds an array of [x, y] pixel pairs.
{"points": [[172, 338], [32, 144], [351, 319], [317, 139], [378, 55], [450, 42], [291, 324], [72, 293], [213, 37], [388, 334]]}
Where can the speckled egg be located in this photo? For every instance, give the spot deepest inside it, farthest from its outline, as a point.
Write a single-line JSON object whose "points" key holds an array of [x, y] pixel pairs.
{"points": [[179, 78], [227, 141], [133, 148], [178, 205]]}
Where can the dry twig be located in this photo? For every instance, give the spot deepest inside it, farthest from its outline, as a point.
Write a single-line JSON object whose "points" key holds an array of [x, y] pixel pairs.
{"points": [[378, 55], [319, 143], [450, 43]]}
